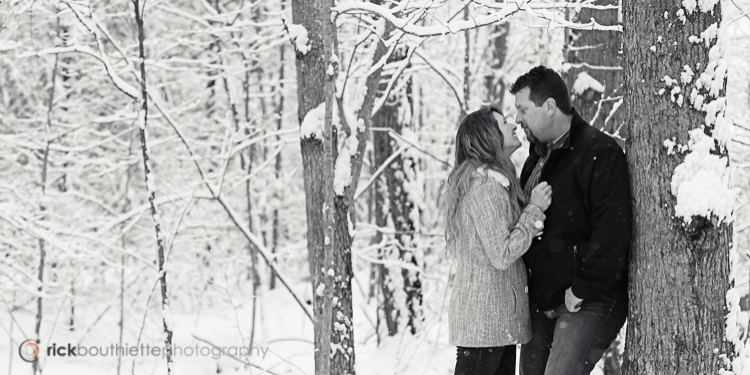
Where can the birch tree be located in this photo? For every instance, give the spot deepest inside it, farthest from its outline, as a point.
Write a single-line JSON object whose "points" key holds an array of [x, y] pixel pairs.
{"points": [[683, 310]]}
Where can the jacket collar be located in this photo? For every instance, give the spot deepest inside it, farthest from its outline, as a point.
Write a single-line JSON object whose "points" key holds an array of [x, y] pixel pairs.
{"points": [[577, 124]]}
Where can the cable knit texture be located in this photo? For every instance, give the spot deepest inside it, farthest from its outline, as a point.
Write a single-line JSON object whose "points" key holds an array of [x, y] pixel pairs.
{"points": [[489, 304]]}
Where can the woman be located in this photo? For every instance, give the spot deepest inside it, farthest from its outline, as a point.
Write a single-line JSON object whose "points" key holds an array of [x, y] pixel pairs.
{"points": [[488, 229]]}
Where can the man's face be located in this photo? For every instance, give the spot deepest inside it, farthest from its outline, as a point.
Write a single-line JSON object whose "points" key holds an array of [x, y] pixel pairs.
{"points": [[532, 118]]}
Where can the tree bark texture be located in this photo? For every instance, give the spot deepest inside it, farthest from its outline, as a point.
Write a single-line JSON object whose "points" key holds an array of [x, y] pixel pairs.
{"points": [[151, 187], [328, 240], [381, 150], [679, 275], [493, 81], [598, 53], [397, 114]]}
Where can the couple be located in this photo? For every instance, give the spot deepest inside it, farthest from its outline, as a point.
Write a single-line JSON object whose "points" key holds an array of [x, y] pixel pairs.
{"points": [[568, 217]]}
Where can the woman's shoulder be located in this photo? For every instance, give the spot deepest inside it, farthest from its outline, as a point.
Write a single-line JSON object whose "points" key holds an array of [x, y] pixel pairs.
{"points": [[487, 185], [491, 175]]}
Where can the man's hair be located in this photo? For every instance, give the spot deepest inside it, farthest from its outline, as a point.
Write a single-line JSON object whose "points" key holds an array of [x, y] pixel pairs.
{"points": [[544, 83]]}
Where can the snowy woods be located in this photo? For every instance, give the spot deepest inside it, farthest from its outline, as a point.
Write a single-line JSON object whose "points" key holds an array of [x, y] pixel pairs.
{"points": [[256, 182]]}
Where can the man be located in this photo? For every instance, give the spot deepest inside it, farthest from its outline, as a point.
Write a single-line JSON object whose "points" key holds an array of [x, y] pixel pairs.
{"points": [[578, 267]]}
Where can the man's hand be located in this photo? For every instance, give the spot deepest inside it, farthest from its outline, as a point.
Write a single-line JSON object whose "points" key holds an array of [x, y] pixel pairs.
{"points": [[572, 303]]}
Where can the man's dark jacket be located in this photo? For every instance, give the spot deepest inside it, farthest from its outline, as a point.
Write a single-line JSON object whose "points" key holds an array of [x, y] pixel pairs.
{"points": [[586, 235]]}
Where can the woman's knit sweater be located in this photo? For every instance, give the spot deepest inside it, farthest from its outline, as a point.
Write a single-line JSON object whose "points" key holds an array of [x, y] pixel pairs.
{"points": [[489, 304]]}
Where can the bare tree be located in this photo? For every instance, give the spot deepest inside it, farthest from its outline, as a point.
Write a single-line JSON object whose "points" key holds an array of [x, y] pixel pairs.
{"points": [[150, 185]]}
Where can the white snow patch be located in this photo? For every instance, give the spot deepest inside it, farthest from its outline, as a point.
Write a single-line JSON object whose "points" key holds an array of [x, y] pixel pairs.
{"points": [[584, 82], [298, 35], [353, 144], [709, 34], [314, 121], [669, 81], [689, 5], [342, 175], [675, 90], [681, 16], [707, 5], [687, 75], [669, 144], [701, 182]]}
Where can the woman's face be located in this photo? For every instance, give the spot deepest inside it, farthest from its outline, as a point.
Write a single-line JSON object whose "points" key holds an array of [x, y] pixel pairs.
{"points": [[508, 130]]}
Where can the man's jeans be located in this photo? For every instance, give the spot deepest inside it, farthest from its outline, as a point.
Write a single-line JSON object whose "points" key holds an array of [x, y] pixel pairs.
{"points": [[568, 343]]}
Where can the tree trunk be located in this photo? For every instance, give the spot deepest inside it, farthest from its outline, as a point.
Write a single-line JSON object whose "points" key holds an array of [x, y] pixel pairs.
{"points": [[327, 230], [598, 54], [151, 189], [381, 151], [277, 167], [679, 273], [397, 114], [493, 81], [328, 239]]}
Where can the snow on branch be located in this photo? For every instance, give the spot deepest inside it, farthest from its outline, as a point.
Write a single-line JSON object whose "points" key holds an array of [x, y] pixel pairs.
{"points": [[409, 25], [496, 12], [584, 82], [123, 86]]}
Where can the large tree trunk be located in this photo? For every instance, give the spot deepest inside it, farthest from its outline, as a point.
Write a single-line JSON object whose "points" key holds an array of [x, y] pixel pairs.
{"points": [[328, 240], [596, 53], [328, 219], [679, 273]]}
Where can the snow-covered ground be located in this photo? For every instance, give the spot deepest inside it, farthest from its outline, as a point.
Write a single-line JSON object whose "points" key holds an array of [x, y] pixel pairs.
{"points": [[283, 333]]}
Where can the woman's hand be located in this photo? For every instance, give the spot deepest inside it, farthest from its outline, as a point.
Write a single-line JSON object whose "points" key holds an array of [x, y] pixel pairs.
{"points": [[541, 196]]}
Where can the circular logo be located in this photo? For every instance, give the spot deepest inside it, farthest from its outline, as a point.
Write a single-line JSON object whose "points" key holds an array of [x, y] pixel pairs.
{"points": [[29, 350]]}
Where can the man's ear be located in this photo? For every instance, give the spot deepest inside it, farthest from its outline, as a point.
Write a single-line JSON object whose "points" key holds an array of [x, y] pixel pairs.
{"points": [[550, 106]]}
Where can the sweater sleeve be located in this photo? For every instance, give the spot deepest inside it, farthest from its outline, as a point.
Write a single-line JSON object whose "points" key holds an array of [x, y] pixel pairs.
{"points": [[606, 256], [489, 207]]}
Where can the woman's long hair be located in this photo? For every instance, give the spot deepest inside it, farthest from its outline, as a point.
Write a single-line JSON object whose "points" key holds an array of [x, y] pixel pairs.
{"points": [[479, 143]]}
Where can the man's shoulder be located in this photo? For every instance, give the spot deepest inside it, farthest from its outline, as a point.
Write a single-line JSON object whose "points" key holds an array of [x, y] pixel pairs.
{"points": [[591, 139]]}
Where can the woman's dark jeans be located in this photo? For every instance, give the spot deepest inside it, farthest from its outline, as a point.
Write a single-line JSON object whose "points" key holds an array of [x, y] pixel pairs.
{"points": [[486, 361]]}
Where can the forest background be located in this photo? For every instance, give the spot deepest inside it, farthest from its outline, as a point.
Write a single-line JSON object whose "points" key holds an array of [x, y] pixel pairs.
{"points": [[79, 261]]}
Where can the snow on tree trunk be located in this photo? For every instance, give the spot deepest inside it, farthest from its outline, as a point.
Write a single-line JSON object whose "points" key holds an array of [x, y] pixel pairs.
{"points": [[594, 72], [680, 269], [328, 240], [150, 187]]}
